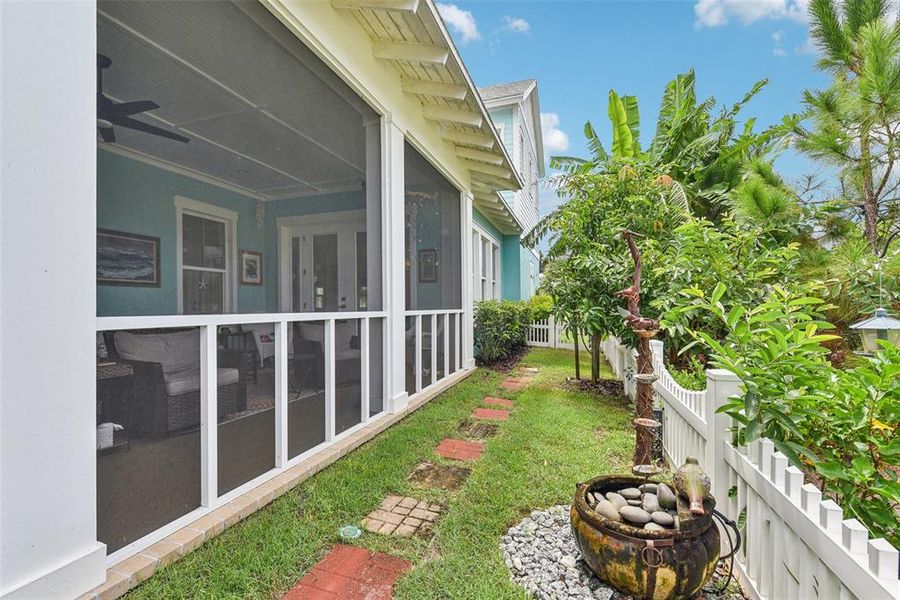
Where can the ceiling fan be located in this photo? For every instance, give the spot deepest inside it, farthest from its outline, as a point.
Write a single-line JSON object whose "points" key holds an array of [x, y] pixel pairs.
{"points": [[110, 112]]}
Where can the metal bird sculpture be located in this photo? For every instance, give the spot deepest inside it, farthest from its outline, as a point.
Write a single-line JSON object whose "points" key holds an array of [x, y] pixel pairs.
{"points": [[692, 482]]}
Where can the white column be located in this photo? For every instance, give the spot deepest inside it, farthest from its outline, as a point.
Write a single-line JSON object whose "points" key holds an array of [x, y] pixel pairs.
{"points": [[467, 275], [394, 224], [209, 417], [48, 144]]}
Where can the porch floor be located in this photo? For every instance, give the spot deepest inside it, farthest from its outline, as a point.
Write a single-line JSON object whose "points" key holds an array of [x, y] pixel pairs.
{"points": [[555, 435]]}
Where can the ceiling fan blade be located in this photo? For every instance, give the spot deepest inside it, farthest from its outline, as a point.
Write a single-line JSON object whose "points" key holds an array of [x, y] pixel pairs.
{"points": [[107, 134], [124, 109], [152, 129]]}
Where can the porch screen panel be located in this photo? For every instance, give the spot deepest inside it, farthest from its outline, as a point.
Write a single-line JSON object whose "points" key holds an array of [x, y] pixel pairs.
{"points": [[263, 191], [246, 435], [347, 374], [376, 366], [306, 386], [148, 430], [433, 239]]}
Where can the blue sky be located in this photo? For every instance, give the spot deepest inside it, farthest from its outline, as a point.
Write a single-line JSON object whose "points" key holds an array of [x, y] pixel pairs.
{"points": [[579, 50]]}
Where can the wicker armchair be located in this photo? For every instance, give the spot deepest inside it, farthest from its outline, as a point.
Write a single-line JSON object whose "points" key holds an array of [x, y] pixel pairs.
{"points": [[167, 380]]}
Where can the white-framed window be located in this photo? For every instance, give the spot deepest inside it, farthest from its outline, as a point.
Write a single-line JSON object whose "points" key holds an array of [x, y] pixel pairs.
{"points": [[206, 257], [485, 266]]}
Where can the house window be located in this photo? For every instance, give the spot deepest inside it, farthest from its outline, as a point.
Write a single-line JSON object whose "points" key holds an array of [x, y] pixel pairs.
{"points": [[485, 266], [206, 267]]}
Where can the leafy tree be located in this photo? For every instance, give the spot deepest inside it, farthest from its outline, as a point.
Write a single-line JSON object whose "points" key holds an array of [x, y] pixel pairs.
{"points": [[854, 124]]}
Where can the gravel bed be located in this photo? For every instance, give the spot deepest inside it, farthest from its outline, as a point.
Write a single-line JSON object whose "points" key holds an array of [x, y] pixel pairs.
{"points": [[541, 555]]}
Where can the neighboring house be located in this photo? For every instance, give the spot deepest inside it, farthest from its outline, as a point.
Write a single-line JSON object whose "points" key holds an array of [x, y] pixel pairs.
{"points": [[236, 242], [504, 268]]}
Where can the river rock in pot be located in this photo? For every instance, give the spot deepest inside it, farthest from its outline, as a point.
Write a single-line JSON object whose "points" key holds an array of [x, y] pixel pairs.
{"points": [[616, 499], [650, 503], [648, 488], [634, 514], [663, 518], [665, 496], [630, 493], [607, 509]]}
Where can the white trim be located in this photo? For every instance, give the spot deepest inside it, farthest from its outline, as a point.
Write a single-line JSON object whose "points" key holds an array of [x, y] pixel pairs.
{"points": [[490, 277], [212, 212]]}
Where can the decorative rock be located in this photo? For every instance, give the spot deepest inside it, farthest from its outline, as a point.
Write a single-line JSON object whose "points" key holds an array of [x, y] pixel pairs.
{"points": [[591, 499], [570, 561], [663, 518], [650, 503], [634, 502], [651, 526], [665, 496], [634, 514], [648, 488], [607, 509], [630, 493], [616, 499]]}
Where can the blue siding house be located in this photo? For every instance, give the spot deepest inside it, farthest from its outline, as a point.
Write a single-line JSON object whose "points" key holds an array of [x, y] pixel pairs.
{"points": [[503, 268]]}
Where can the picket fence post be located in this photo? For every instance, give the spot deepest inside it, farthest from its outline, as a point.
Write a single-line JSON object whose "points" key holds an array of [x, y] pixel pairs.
{"points": [[721, 385]]}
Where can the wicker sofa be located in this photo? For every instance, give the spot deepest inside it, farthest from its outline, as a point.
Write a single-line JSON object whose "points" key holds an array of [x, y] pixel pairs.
{"points": [[166, 367]]}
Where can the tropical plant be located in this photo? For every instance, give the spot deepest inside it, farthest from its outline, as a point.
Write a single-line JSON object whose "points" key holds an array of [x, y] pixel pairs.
{"points": [[840, 424], [853, 124]]}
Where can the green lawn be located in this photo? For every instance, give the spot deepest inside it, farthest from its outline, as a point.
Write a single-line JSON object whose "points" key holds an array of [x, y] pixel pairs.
{"points": [[555, 438]]}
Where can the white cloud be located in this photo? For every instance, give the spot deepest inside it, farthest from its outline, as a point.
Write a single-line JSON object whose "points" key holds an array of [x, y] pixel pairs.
{"points": [[515, 24], [779, 52], [777, 36], [460, 21], [555, 139], [714, 13]]}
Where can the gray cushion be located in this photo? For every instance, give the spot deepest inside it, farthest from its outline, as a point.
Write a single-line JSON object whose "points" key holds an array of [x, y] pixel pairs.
{"points": [[188, 380], [177, 351]]}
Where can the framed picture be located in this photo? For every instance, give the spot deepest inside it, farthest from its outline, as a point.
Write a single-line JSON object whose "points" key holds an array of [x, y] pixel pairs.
{"points": [[428, 265], [127, 259], [251, 267]]}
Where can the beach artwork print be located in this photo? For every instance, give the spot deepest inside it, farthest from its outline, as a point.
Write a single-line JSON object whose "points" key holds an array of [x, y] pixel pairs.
{"points": [[127, 258]]}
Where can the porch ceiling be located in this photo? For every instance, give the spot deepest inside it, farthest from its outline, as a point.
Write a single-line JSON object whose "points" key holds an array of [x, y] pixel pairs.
{"points": [[248, 115], [410, 35]]}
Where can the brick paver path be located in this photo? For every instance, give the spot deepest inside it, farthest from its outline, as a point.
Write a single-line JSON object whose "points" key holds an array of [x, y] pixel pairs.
{"points": [[460, 449], [350, 573], [491, 414], [498, 401], [401, 516]]}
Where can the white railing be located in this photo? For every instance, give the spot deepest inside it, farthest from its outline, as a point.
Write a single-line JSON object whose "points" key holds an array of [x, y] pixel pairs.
{"points": [[795, 544], [432, 331], [208, 326]]}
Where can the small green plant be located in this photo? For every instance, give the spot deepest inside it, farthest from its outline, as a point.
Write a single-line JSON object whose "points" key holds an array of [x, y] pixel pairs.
{"points": [[541, 306], [692, 377], [501, 329]]}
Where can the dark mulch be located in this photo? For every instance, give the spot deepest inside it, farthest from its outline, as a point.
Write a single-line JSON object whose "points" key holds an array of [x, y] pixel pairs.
{"points": [[606, 387], [505, 365], [477, 429]]}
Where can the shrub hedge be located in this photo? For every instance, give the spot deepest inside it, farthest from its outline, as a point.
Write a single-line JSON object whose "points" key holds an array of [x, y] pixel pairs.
{"points": [[500, 329]]}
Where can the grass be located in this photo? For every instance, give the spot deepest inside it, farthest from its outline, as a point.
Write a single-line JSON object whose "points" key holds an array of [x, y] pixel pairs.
{"points": [[556, 437]]}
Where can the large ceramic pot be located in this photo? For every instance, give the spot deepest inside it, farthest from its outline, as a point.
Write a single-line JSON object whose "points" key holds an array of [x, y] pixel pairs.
{"points": [[645, 564]]}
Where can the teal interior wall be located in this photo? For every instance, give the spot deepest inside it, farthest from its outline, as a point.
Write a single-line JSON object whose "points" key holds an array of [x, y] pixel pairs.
{"points": [[135, 197]]}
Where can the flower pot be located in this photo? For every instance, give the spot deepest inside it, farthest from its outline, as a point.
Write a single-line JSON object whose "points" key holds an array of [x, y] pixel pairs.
{"points": [[648, 564]]}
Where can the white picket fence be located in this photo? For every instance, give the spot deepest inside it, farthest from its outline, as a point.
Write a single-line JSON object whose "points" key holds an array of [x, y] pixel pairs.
{"points": [[795, 544], [548, 333]]}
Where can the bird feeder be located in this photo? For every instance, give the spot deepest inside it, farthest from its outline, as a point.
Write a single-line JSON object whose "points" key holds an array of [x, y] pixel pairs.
{"points": [[880, 326]]}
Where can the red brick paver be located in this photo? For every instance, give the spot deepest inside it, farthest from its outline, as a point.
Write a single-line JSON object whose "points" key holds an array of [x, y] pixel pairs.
{"points": [[350, 573], [460, 449], [492, 414], [498, 401]]}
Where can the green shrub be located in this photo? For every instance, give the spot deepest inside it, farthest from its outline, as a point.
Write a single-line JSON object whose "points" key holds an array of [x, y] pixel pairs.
{"points": [[541, 306], [500, 329]]}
